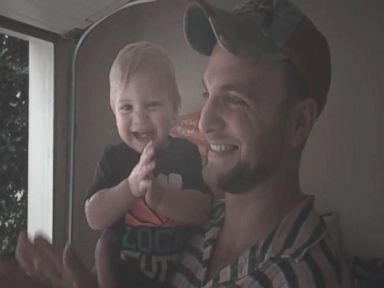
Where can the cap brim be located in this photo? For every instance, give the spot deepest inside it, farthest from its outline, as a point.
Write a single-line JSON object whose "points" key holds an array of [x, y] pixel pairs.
{"points": [[197, 27], [206, 25]]}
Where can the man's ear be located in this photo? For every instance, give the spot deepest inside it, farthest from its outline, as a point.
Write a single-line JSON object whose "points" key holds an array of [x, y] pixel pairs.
{"points": [[304, 115]]}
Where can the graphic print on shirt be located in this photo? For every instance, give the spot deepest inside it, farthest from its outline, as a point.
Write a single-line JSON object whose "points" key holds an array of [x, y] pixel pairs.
{"points": [[152, 239]]}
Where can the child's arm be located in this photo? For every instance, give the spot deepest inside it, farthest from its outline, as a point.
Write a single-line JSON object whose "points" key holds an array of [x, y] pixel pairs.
{"points": [[108, 205], [184, 206]]}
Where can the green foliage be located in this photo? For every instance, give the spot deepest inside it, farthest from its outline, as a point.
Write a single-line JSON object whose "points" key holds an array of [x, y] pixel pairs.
{"points": [[13, 139]]}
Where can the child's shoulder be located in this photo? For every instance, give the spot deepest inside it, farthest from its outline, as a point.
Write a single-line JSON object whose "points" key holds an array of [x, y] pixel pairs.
{"points": [[118, 150], [177, 143], [115, 148]]}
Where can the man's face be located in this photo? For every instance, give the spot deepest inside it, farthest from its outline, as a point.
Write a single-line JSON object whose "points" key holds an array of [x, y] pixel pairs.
{"points": [[244, 119], [144, 111]]}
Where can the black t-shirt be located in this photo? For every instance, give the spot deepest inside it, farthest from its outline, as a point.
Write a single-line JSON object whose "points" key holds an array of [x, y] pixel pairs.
{"points": [[147, 252]]}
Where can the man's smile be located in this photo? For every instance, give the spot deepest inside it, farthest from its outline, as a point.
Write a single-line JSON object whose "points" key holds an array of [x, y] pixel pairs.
{"points": [[220, 148]]}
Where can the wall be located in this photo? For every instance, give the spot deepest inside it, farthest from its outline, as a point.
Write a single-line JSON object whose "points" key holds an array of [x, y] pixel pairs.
{"points": [[342, 163], [344, 160]]}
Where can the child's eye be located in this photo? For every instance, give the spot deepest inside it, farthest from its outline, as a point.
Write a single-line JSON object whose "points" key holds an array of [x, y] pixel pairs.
{"points": [[153, 104], [125, 108]]}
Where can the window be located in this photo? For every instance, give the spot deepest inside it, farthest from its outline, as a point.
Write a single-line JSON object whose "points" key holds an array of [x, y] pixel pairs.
{"points": [[40, 134], [13, 139]]}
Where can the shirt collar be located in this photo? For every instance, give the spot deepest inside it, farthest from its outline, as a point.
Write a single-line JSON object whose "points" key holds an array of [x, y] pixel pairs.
{"points": [[301, 229]]}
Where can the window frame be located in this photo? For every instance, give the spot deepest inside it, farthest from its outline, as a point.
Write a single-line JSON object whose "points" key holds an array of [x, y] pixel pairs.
{"points": [[48, 179]]}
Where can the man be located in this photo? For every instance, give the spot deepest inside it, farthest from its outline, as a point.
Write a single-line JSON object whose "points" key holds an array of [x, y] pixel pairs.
{"points": [[265, 85]]}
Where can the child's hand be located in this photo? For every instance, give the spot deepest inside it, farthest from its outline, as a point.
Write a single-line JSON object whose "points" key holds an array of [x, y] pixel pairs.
{"points": [[154, 194], [159, 186], [141, 177]]}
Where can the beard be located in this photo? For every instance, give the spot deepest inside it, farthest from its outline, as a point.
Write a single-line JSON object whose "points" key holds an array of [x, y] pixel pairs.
{"points": [[238, 179]]}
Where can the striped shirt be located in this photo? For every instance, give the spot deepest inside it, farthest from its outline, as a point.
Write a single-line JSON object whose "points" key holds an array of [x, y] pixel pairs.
{"points": [[297, 253]]}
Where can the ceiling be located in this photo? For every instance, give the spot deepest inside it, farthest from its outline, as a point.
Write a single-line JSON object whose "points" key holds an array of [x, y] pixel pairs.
{"points": [[62, 16], [59, 16]]}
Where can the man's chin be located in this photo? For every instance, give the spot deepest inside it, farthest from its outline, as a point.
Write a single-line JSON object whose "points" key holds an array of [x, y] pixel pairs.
{"points": [[236, 180], [230, 181]]}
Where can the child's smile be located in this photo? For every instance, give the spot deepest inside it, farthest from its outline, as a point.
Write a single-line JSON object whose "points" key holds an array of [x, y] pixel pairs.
{"points": [[144, 111]]}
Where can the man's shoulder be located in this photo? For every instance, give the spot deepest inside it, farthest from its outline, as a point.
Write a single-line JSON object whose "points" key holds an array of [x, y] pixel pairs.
{"points": [[319, 266], [298, 253]]}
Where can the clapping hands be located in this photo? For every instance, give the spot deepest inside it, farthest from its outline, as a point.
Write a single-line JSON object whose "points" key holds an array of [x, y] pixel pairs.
{"points": [[46, 268], [142, 182], [141, 177]]}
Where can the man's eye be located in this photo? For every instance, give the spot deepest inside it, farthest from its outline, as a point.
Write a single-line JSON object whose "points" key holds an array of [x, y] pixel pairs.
{"points": [[205, 95], [235, 100]]}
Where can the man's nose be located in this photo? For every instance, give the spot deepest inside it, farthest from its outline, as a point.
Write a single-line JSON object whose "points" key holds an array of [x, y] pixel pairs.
{"points": [[211, 117]]}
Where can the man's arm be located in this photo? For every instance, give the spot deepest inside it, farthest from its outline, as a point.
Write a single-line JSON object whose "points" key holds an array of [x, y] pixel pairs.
{"points": [[184, 206], [180, 197]]}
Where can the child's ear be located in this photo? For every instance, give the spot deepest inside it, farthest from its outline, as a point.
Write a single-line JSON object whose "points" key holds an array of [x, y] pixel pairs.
{"points": [[304, 115]]}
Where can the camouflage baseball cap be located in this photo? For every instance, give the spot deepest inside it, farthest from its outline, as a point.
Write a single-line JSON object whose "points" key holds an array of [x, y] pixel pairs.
{"points": [[263, 27]]}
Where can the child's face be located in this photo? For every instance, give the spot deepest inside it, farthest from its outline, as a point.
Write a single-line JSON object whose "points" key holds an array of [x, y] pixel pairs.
{"points": [[144, 111]]}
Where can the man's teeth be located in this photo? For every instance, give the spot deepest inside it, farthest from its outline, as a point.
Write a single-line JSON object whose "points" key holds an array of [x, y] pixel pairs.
{"points": [[221, 147]]}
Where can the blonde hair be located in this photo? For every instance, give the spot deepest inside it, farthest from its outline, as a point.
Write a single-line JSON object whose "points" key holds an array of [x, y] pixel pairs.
{"points": [[141, 57]]}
